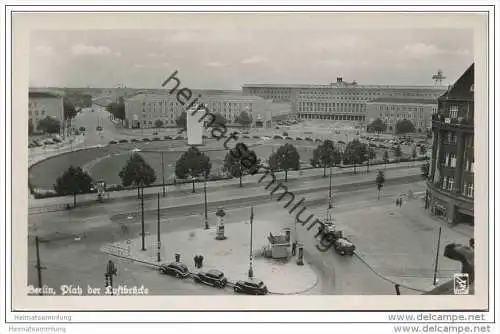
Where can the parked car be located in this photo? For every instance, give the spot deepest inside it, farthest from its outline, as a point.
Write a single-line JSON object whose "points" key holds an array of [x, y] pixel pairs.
{"points": [[123, 141], [82, 129], [99, 128], [48, 142], [212, 277], [167, 137], [134, 140], [344, 246], [156, 139], [176, 269], [146, 139], [113, 142], [250, 287], [155, 133], [56, 140]]}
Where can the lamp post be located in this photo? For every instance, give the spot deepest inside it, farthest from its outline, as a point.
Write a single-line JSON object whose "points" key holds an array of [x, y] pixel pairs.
{"points": [[142, 218], [206, 204], [163, 174], [330, 190], [250, 269]]}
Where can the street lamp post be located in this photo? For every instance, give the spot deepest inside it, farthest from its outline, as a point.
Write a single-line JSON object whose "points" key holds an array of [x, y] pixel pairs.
{"points": [[206, 205], [330, 191], [142, 218], [250, 269], [163, 174]]}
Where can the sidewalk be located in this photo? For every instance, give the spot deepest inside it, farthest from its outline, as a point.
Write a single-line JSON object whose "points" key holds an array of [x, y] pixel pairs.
{"points": [[231, 256], [250, 181]]}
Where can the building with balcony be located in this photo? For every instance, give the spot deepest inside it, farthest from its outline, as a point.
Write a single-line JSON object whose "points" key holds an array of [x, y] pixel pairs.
{"points": [[392, 110], [450, 183], [340, 100]]}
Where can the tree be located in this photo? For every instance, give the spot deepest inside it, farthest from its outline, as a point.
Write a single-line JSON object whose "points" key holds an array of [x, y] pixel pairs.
{"points": [[138, 172], [397, 151], [286, 158], [244, 119], [219, 120], [386, 158], [73, 181], [325, 155], [117, 109], [69, 109], [193, 163], [377, 126], [404, 126], [49, 125], [355, 153], [181, 121], [423, 150], [380, 181], [240, 161], [425, 169], [159, 123]]}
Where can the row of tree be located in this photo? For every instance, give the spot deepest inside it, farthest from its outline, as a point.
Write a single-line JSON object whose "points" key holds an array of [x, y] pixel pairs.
{"points": [[194, 164], [403, 126], [117, 109]]}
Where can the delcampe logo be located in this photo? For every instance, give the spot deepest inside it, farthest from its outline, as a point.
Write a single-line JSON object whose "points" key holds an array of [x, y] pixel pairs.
{"points": [[461, 284]]}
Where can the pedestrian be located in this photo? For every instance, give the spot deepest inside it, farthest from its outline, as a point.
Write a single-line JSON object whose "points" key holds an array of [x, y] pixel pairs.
{"points": [[294, 248], [201, 261], [400, 202], [177, 257], [397, 201], [196, 261]]}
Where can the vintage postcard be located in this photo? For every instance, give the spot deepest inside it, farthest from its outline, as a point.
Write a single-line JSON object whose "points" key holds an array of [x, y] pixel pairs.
{"points": [[224, 161]]}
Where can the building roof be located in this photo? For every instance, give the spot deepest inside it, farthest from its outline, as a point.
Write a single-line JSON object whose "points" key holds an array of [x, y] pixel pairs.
{"points": [[403, 100], [217, 97], [343, 85], [463, 88], [44, 94]]}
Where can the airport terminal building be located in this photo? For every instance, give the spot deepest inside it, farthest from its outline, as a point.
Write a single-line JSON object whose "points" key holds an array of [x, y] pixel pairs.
{"points": [[339, 100], [144, 110]]}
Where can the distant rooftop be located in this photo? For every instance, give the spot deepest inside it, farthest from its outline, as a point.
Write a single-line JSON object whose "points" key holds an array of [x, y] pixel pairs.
{"points": [[44, 94], [344, 85], [206, 98], [403, 100]]}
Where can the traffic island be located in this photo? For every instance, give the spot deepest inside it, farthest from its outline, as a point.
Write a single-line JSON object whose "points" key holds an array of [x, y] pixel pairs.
{"points": [[232, 256]]}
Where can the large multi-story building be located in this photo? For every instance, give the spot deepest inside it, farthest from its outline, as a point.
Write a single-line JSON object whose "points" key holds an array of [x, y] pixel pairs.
{"points": [[337, 101], [392, 110], [450, 184], [144, 110], [45, 104]]}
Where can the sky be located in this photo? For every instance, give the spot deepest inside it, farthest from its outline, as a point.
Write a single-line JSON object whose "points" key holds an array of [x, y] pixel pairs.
{"points": [[214, 58]]}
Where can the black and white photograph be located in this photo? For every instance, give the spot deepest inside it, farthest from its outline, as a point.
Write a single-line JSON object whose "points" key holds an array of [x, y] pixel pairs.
{"points": [[251, 156]]}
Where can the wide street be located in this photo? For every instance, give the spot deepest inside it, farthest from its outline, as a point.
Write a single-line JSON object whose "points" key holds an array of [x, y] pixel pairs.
{"points": [[71, 240]]}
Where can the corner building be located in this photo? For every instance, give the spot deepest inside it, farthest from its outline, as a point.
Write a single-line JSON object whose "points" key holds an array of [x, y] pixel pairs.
{"points": [[450, 183]]}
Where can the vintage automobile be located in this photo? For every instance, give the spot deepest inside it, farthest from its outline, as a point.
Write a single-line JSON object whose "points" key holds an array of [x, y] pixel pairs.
{"points": [[176, 269], [250, 287], [344, 246], [212, 277]]}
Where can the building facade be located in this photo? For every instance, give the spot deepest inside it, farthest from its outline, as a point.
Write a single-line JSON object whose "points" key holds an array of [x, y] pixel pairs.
{"points": [[144, 110], [450, 183], [393, 110], [337, 101], [45, 104]]}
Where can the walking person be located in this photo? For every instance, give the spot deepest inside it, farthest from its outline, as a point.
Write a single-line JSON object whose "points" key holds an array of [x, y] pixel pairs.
{"points": [[397, 201], [201, 261], [177, 257], [294, 248], [400, 201], [196, 261]]}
